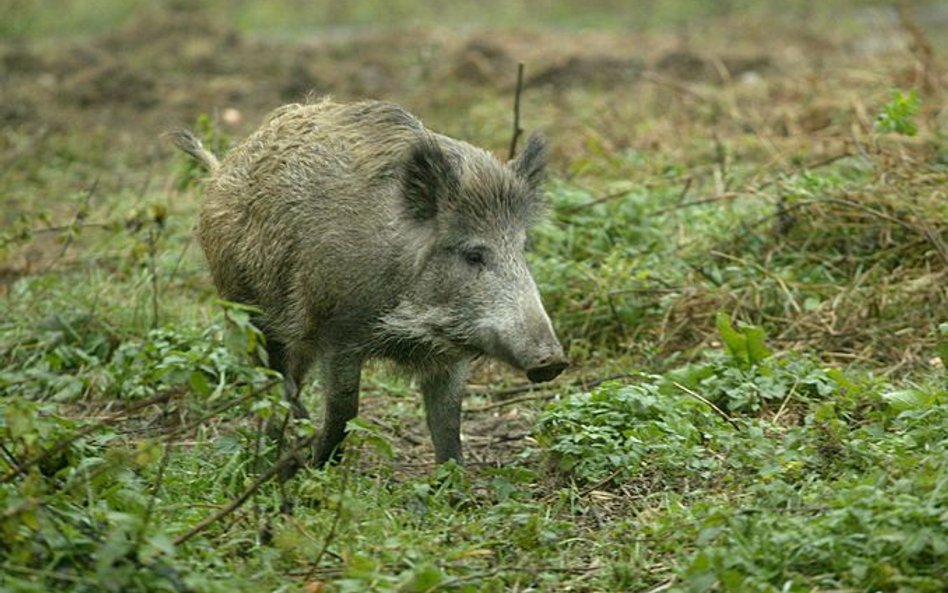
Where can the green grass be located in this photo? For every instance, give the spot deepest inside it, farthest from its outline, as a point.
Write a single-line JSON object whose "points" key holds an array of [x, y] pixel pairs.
{"points": [[294, 18], [754, 305]]}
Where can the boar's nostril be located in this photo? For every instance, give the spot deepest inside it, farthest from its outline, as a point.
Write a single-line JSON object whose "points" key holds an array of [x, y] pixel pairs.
{"points": [[548, 371]]}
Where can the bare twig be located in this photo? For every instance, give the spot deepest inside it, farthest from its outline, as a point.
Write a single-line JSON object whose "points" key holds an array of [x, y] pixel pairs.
{"points": [[288, 459], [10, 458], [153, 233], [684, 190], [786, 400], [602, 199], [730, 195], [177, 263], [159, 478], [337, 518], [517, 130], [76, 223], [546, 394], [66, 227], [548, 391], [590, 489], [660, 80], [707, 402], [662, 586], [60, 445]]}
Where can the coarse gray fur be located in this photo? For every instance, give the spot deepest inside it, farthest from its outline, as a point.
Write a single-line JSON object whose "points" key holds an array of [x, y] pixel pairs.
{"points": [[360, 234]]}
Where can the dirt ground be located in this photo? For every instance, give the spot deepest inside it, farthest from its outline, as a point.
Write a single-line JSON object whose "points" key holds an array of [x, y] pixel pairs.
{"points": [[163, 68], [81, 102], [95, 108]]}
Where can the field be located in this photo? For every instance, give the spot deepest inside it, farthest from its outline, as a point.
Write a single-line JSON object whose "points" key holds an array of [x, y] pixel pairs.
{"points": [[746, 256]]}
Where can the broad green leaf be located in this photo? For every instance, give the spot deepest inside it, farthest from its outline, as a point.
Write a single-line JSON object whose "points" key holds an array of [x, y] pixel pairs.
{"points": [[734, 341], [757, 350], [908, 399]]}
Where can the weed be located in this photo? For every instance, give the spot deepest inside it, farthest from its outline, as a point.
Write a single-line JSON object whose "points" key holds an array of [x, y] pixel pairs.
{"points": [[897, 115], [732, 230]]}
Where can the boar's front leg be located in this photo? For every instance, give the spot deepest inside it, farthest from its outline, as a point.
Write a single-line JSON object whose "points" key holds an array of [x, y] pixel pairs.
{"points": [[443, 388], [341, 375]]}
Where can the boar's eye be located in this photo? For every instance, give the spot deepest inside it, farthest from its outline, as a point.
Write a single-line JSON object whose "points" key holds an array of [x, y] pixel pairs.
{"points": [[475, 256]]}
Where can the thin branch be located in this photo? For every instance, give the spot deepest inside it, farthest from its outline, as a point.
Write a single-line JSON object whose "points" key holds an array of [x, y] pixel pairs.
{"points": [[337, 518], [11, 460], [76, 223], [153, 234], [159, 479], [606, 198], [66, 227], [60, 445], [284, 462], [730, 195], [548, 391], [517, 130], [786, 400], [708, 402]]}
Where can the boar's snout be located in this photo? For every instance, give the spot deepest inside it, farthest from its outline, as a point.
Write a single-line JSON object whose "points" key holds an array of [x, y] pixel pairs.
{"points": [[548, 369]]}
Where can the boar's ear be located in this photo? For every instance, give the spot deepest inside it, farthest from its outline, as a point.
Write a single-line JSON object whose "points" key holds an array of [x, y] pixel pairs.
{"points": [[428, 179], [531, 163]]}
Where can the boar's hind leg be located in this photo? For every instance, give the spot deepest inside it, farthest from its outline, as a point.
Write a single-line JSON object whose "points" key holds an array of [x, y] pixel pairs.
{"points": [[292, 371], [442, 389], [341, 376]]}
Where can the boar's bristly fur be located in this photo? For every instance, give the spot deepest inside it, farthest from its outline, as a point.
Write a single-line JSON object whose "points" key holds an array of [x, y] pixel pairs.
{"points": [[358, 233]]}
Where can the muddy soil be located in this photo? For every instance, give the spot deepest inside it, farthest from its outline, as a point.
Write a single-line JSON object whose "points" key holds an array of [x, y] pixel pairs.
{"points": [[163, 68]]}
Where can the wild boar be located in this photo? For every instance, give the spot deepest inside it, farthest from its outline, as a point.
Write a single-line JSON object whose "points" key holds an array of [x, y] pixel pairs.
{"points": [[358, 233]]}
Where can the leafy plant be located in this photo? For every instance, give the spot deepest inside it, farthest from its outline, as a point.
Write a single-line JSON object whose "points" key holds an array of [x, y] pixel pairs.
{"points": [[897, 115], [609, 432], [746, 348]]}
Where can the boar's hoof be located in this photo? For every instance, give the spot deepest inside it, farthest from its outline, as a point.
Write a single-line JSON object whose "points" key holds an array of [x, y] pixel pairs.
{"points": [[547, 372]]}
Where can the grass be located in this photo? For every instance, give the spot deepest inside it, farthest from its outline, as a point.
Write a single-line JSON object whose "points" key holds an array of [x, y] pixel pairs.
{"points": [[294, 18], [749, 275]]}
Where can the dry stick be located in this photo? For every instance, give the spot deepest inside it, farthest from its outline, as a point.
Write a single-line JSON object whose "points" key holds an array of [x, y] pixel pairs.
{"points": [[517, 130], [153, 272], [66, 227], [606, 198], [660, 80], [60, 445], [288, 458], [285, 504], [681, 203], [257, 448], [160, 398], [331, 535], [546, 392], [11, 460], [590, 489], [76, 222], [684, 190], [729, 195], [786, 400], [924, 231], [165, 456], [177, 264], [705, 400], [223, 407]]}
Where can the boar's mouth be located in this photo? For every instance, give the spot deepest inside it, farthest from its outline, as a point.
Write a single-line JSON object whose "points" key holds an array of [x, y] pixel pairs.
{"points": [[546, 372]]}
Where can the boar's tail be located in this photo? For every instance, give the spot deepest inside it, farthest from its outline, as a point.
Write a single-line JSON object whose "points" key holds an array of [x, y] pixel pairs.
{"points": [[189, 143]]}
